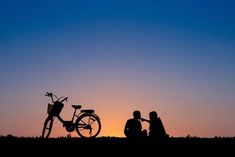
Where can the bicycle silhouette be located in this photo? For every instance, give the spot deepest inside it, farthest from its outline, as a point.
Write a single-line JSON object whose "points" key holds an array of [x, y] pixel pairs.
{"points": [[87, 123]]}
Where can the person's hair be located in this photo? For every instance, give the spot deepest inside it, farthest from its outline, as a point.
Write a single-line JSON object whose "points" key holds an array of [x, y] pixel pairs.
{"points": [[153, 114], [136, 114]]}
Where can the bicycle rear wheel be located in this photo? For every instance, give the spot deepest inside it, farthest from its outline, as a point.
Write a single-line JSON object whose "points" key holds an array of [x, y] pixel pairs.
{"points": [[47, 127], [88, 126]]}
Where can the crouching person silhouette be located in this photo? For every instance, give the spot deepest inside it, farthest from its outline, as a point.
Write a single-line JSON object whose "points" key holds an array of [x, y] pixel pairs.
{"points": [[133, 127], [157, 131]]}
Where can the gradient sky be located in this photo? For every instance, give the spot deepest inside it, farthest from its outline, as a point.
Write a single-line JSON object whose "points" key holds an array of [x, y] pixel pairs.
{"points": [[116, 56]]}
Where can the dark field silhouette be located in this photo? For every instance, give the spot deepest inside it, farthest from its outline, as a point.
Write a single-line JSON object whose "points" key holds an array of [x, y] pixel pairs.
{"points": [[117, 146], [112, 141]]}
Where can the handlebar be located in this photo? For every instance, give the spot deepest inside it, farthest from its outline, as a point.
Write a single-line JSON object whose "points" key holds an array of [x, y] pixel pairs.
{"points": [[58, 99], [65, 99], [48, 94]]}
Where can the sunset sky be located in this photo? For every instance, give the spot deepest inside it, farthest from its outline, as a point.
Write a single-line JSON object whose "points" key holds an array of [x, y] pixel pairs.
{"points": [[176, 57]]}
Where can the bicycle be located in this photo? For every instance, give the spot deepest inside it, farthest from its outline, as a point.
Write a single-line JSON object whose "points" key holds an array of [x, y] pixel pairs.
{"points": [[87, 123]]}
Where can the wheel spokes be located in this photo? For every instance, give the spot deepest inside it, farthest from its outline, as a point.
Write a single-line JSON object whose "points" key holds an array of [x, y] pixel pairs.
{"points": [[88, 126], [47, 128]]}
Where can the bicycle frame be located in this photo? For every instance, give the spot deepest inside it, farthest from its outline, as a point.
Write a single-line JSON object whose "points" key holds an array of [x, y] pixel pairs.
{"points": [[73, 117], [78, 115]]}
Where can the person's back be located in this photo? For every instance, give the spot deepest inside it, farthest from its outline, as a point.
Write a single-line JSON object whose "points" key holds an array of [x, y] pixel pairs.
{"points": [[133, 126], [156, 128]]}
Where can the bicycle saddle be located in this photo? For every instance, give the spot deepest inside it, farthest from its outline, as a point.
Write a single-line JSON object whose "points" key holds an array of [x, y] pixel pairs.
{"points": [[76, 106]]}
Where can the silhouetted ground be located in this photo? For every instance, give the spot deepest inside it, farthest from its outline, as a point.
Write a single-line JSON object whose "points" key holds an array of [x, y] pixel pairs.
{"points": [[119, 146], [5, 140]]}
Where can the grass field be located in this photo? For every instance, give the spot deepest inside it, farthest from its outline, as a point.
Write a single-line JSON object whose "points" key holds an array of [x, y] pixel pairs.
{"points": [[4, 140], [104, 145]]}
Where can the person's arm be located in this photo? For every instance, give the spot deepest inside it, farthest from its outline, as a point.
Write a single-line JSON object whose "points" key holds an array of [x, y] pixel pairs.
{"points": [[146, 120]]}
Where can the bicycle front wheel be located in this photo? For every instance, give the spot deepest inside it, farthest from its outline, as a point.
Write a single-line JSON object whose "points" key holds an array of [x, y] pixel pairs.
{"points": [[47, 127], [88, 126]]}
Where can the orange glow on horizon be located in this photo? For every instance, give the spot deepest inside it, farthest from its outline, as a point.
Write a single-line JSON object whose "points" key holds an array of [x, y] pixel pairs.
{"points": [[180, 115]]}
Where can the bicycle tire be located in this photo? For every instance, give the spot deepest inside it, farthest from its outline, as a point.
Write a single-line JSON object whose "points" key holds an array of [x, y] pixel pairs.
{"points": [[47, 127], [88, 125]]}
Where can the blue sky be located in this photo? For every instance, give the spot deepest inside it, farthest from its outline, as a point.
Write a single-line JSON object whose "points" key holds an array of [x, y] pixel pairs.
{"points": [[182, 50]]}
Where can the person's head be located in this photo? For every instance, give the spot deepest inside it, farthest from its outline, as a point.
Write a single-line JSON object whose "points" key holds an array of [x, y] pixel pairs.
{"points": [[153, 115], [136, 114]]}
